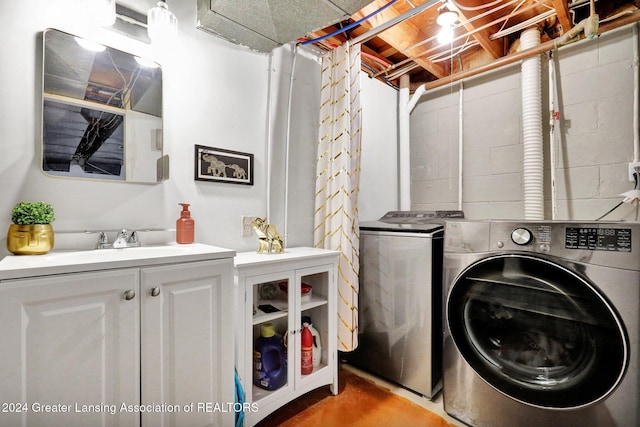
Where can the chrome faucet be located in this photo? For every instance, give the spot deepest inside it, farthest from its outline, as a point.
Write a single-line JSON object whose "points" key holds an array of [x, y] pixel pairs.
{"points": [[121, 240], [124, 239]]}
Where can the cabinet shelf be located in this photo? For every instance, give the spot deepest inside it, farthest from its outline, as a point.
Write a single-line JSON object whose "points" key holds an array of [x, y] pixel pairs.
{"points": [[261, 317], [313, 303]]}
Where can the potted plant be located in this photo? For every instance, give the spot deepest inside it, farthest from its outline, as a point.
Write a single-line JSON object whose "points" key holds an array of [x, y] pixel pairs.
{"points": [[31, 232]]}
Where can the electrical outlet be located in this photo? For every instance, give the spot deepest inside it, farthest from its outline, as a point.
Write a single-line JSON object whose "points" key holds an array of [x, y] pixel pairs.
{"points": [[634, 167], [247, 229]]}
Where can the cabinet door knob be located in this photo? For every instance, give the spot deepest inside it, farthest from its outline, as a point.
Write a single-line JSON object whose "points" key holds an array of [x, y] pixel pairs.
{"points": [[154, 292], [129, 295]]}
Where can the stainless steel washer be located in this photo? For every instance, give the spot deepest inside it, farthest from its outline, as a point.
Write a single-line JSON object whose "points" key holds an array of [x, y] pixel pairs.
{"points": [[400, 317], [542, 323]]}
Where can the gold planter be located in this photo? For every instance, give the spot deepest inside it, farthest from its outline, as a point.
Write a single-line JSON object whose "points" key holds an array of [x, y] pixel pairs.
{"points": [[33, 239]]}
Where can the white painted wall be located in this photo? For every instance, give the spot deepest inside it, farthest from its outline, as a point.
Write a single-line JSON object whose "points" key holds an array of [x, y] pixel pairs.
{"points": [[214, 95], [379, 160], [596, 102]]}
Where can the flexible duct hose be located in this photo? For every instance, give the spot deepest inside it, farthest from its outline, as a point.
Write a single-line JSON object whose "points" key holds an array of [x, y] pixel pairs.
{"points": [[533, 171]]}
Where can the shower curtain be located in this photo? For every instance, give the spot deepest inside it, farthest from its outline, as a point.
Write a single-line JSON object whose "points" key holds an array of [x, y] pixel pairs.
{"points": [[337, 180]]}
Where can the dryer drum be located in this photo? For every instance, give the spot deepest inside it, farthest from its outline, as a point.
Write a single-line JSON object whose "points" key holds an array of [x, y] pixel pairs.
{"points": [[537, 332]]}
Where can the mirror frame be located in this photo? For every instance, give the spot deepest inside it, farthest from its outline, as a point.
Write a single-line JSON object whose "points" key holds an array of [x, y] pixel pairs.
{"points": [[102, 115]]}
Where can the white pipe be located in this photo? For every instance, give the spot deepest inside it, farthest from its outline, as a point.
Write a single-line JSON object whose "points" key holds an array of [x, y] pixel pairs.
{"points": [[269, 139], [460, 143], [287, 146], [553, 121], [636, 95], [404, 154], [416, 97], [533, 170]]}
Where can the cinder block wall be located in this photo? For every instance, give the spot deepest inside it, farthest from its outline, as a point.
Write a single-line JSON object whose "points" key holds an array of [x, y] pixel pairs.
{"points": [[595, 85]]}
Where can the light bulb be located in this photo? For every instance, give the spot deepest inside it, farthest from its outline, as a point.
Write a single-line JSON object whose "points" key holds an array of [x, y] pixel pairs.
{"points": [[445, 36], [161, 23]]}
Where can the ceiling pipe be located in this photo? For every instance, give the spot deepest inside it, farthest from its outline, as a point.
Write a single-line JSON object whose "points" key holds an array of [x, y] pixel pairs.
{"points": [[400, 18], [527, 53]]}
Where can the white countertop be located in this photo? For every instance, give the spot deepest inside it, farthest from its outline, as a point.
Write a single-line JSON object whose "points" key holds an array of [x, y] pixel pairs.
{"points": [[248, 259], [60, 262]]}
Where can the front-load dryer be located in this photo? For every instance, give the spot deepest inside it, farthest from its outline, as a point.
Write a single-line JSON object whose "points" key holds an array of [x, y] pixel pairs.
{"points": [[541, 323]]}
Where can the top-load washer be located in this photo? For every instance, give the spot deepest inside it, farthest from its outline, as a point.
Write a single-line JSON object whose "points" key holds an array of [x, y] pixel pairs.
{"points": [[399, 310], [541, 323]]}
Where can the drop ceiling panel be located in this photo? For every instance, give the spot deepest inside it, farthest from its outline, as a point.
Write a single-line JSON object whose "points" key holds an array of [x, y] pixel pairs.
{"points": [[265, 24]]}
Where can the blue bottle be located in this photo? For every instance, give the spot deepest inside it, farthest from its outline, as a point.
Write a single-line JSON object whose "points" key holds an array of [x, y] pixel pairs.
{"points": [[269, 359]]}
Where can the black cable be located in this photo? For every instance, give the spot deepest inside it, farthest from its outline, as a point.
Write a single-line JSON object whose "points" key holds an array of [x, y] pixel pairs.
{"points": [[610, 210], [635, 187]]}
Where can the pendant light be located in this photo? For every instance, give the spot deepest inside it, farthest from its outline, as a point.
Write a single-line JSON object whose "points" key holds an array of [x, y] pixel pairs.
{"points": [[446, 19], [161, 23]]}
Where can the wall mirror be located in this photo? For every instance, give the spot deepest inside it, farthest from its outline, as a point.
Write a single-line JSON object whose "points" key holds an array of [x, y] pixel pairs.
{"points": [[102, 112]]}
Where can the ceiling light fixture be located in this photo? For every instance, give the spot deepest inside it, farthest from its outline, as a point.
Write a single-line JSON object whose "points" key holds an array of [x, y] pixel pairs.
{"points": [[446, 19], [161, 23]]}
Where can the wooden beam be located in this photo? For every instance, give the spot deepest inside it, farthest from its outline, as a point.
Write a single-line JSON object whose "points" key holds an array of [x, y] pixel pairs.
{"points": [[562, 12], [493, 47], [400, 35]]}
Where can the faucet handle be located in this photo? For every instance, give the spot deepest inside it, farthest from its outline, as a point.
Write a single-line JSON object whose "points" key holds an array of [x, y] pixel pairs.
{"points": [[133, 239], [103, 240]]}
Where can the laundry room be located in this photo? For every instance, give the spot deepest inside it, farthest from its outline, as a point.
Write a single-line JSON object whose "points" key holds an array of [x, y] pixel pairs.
{"points": [[279, 213]]}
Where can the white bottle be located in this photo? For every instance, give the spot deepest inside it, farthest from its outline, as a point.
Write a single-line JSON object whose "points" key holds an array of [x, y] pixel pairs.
{"points": [[317, 345]]}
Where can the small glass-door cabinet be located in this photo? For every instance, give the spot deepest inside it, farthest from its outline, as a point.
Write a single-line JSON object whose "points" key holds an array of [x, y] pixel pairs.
{"points": [[281, 289]]}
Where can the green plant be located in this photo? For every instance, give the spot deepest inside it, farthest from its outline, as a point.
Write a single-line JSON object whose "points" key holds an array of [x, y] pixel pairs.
{"points": [[28, 213]]}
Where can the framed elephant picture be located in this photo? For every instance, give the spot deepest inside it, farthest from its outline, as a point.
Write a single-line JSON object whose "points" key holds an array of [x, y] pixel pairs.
{"points": [[217, 164]]}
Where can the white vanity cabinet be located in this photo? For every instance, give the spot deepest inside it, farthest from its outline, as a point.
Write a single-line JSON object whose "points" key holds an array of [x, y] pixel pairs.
{"points": [[276, 280], [122, 342]]}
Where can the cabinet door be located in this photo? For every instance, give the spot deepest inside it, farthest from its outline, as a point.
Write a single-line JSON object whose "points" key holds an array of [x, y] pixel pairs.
{"points": [[267, 300], [69, 341], [318, 305], [187, 344]]}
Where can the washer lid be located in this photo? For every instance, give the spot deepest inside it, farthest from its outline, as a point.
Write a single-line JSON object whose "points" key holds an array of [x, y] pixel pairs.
{"points": [[411, 221], [404, 228]]}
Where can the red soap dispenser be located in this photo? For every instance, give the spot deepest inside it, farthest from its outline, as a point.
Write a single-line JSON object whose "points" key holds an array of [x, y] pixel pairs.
{"points": [[185, 225]]}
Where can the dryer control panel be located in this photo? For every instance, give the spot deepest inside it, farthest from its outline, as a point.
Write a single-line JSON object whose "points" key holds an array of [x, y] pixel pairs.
{"points": [[598, 239]]}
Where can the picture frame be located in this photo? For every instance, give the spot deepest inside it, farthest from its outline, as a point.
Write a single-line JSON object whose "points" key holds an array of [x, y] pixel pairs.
{"points": [[221, 165]]}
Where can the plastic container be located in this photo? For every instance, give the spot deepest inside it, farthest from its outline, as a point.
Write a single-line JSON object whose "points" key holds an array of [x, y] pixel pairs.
{"points": [[269, 359], [317, 344], [306, 366], [185, 226]]}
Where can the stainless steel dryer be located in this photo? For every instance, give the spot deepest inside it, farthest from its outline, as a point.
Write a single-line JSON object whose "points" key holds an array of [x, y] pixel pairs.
{"points": [[542, 323]]}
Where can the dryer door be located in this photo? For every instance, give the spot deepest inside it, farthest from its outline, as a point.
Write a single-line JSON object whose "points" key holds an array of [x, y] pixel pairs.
{"points": [[537, 331]]}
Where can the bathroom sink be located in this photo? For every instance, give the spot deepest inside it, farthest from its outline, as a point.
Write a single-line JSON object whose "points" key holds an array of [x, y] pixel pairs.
{"points": [[59, 262]]}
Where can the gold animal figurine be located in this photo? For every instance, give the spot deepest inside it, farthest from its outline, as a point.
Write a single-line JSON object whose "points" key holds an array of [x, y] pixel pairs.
{"points": [[268, 237]]}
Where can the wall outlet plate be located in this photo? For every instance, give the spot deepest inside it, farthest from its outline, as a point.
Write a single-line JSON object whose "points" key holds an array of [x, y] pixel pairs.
{"points": [[633, 167], [247, 229]]}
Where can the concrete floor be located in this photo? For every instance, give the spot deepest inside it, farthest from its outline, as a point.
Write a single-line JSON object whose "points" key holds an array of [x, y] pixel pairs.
{"points": [[364, 401]]}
